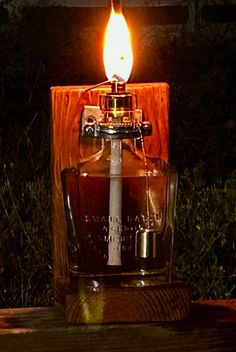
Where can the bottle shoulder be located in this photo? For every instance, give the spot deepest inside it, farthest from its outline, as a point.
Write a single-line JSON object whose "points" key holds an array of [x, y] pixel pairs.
{"points": [[131, 164]]}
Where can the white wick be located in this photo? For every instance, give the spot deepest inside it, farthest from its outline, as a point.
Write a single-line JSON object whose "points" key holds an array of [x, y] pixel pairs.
{"points": [[115, 202]]}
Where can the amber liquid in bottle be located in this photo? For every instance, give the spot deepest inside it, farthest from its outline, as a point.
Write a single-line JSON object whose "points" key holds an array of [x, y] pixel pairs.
{"points": [[88, 215]]}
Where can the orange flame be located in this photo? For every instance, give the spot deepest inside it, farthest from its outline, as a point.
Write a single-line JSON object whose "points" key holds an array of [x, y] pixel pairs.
{"points": [[117, 52]]}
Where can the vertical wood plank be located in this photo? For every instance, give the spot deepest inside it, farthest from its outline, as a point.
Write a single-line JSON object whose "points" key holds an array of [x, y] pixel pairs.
{"points": [[67, 104]]}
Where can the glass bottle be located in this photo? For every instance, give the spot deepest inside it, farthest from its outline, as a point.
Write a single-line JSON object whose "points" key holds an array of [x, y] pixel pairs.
{"points": [[120, 211]]}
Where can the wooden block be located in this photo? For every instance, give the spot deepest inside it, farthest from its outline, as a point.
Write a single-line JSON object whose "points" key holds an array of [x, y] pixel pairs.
{"points": [[107, 303], [104, 304], [67, 104]]}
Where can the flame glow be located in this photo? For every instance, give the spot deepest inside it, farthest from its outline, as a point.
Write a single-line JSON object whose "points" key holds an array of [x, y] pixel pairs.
{"points": [[117, 52]]}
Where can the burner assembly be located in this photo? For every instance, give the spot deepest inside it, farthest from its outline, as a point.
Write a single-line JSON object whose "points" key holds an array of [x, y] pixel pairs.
{"points": [[117, 116]]}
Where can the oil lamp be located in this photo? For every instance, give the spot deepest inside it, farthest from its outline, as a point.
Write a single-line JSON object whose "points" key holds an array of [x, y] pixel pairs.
{"points": [[119, 203]]}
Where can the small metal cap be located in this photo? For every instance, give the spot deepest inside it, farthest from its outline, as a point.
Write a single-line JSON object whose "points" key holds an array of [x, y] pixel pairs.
{"points": [[147, 243]]}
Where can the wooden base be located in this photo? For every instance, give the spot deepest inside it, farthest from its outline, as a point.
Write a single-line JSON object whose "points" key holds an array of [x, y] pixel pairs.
{"points": [[156, 302], [107, 303]]}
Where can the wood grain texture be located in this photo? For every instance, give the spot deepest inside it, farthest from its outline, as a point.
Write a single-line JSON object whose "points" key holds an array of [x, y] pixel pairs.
{"points": [[211, 327], [167, 302], [67, 104]]}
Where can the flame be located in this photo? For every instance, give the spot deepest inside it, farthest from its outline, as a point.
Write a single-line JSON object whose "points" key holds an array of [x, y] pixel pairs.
{"points": [[117, 52]]}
